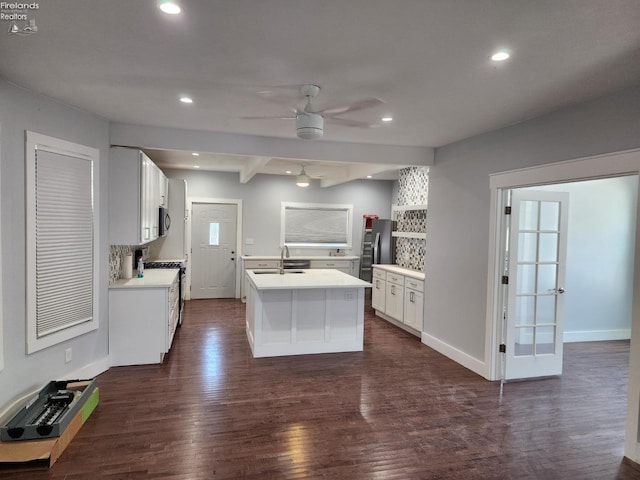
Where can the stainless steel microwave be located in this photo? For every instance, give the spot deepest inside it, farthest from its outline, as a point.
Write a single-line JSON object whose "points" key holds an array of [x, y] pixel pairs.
{"points": [[164, 222]]}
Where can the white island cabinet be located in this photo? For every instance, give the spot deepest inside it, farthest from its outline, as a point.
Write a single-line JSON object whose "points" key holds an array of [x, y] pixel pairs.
{"points": [[143, 316], [316, 311]]}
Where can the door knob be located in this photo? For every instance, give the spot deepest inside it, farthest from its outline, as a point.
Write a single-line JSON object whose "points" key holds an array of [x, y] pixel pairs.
{"points": [[560, 290]]}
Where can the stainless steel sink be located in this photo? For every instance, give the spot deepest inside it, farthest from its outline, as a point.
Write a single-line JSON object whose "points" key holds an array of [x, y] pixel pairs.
{"points": [[275, 272]]}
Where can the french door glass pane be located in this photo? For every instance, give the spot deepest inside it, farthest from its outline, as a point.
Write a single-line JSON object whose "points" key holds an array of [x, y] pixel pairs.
{"points": [[525, 310], [548, 247], [526, 282], [545, 340], [527, 247], [523, 342], [549, 215], [546, 278], [546, 309], [528, 215]]}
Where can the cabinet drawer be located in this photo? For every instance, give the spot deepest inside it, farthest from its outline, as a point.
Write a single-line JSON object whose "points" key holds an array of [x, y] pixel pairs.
{"points": [[381, 274], [330, 264], [255, 264], [414, 284], [395, 278]]}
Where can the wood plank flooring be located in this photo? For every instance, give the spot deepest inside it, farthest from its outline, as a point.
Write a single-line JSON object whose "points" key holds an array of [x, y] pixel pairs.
{"points": [[398, 410]]}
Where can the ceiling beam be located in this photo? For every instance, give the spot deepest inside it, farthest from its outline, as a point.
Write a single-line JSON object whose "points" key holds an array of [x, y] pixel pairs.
{"points": [[142, 136], [356, 172], [252, 167]]}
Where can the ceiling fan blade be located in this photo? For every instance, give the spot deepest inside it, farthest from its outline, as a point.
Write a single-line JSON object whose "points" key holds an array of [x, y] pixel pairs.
{"points": [[345, 122], [359, 105], [267, 117]]}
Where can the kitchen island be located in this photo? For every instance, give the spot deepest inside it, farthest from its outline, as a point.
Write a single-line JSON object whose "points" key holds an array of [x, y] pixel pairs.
{"points": [[304, 312]]}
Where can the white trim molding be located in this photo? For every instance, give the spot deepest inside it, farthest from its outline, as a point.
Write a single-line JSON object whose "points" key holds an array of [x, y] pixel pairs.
{"points": [[464, 359], [228, 201]]}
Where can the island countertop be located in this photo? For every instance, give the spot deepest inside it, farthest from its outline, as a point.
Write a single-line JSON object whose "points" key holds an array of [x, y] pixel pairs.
{"points": [[310, 278]]}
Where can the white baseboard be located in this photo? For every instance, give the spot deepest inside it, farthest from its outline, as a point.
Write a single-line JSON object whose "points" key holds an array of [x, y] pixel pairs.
{"points": [[597, 335], [89, 371], [458, 356]]}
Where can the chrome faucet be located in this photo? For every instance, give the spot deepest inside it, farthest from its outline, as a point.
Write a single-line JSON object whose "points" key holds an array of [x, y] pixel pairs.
{"points": [[284, 249]]}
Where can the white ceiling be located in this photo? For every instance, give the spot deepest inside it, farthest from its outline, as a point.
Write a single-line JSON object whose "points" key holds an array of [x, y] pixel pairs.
{"points": [[427, 59]]}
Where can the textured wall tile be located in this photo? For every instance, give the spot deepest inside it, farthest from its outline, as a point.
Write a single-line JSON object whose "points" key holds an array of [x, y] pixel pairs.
{"points": [[116, 260]]}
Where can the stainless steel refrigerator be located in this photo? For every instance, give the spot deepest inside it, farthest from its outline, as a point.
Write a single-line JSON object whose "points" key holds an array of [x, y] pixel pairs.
{"points": [[383, 244]]}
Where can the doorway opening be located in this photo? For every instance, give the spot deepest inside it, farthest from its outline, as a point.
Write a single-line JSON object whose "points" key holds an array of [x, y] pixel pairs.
{"points": [[617, 164], [215, 230]]}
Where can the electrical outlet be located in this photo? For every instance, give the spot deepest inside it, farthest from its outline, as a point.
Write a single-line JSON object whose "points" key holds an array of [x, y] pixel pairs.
{"points": [[348, 295], [67, 355]]}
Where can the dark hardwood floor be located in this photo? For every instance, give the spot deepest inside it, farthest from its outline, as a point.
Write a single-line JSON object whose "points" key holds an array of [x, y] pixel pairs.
{"points": [[398, 410]]}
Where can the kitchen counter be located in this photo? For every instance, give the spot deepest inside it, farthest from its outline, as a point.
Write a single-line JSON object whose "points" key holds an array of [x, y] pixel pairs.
{"points": [[400, 270], [317, 311], [312, 278], [301, 257], [160, 277]]}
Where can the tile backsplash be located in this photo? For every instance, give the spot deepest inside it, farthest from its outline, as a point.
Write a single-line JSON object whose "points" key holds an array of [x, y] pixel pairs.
{"points": [[413, 189], [116, 259]]}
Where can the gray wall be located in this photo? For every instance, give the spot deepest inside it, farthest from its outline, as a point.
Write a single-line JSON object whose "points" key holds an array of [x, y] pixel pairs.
{"points": [[459, 203], [21, 110], [600, 253], [262, 195]]}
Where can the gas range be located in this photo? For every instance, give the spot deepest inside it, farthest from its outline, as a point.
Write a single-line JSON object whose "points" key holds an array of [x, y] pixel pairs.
{"points": [[180, 265], [164, 264]]}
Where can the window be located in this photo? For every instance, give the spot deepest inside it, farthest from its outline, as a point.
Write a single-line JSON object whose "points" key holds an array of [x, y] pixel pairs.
{"points": [[316, 225], [62, 254], [214, 234]]}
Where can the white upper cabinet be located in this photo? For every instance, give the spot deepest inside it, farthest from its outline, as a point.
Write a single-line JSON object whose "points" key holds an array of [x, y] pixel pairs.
{"points": [[134, 197]]}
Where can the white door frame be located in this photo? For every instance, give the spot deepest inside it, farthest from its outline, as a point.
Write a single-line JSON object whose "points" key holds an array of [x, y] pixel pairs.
{"points": [[588, 168], [228, 201]]}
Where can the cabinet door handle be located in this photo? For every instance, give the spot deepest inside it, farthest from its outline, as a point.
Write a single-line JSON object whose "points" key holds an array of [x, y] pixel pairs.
{"points": [[393, 289], [411, 297]]}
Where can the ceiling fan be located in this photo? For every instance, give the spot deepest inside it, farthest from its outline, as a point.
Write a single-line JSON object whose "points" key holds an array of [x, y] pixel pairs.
{"points": [[310, 122]]}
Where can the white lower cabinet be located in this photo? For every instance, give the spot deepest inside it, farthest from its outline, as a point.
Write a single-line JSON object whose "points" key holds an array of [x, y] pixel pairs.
{"points": [[398, 299], [142, 323], [379, 290], [395, 296], [414, 303]]}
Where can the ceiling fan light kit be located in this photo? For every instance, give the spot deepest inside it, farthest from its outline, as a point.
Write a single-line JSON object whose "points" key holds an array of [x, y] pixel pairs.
{"points": [[302, 180], [309, 125]]}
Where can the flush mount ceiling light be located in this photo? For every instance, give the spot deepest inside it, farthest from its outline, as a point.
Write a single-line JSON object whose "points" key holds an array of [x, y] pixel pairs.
{"points": [[195, 154], [170, 7], [302, 180], [387, 119], [186, 100], [196, 166], [500, 55]]}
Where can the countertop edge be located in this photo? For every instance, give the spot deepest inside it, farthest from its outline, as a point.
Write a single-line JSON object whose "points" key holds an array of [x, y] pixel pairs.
{"points": [[400, 270]]}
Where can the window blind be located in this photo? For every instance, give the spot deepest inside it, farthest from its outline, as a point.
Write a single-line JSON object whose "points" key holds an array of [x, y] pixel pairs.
{"points": [[317, 225], [63, 241]]}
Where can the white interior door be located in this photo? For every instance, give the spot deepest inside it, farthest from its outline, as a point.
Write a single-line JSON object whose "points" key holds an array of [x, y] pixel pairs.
{"points": [[213, 244], [537, 260]]}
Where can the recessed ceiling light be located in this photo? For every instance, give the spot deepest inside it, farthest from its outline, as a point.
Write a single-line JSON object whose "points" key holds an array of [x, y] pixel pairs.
{"points": [[369, 176], [387, 119], [288, 171], [170, 7], [500, 56], [186, 100], [196, 166], [195, 154]]}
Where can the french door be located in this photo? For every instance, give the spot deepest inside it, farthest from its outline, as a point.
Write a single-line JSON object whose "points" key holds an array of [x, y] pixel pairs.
{"points": [[537, 250]]}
